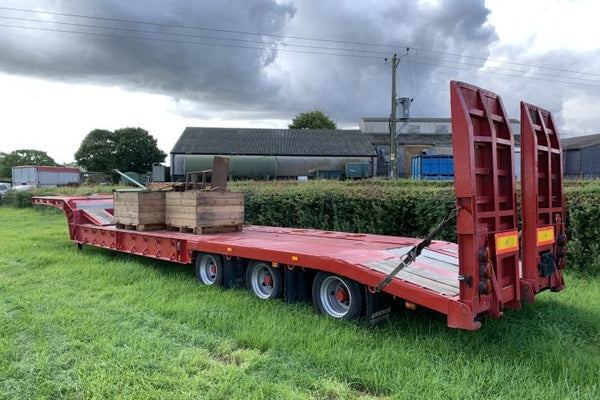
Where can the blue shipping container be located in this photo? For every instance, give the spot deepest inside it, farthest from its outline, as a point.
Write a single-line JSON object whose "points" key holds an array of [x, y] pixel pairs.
{"points": [[432, 167], [441, 167]]}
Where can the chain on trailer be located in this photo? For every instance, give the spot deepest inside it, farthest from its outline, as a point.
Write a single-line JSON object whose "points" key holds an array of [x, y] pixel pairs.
{"points": [[416, 250]]}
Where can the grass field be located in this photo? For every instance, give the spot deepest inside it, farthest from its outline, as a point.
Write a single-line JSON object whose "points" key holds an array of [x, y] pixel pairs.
{"points": [[99, 324]]}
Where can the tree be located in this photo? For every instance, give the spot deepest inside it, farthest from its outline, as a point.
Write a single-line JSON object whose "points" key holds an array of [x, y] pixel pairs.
{"points": [[23, 157], [126, 149], [136, 150], [312, 120], [97, 151]]}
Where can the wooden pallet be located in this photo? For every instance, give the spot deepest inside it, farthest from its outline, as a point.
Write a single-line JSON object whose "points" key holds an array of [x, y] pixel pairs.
{"points": [[142, 227], [156, 186], [199, 230]]}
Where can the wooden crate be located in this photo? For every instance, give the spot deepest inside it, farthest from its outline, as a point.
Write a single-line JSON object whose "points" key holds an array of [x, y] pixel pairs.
{"points": [[204, 211], [142, 211]]}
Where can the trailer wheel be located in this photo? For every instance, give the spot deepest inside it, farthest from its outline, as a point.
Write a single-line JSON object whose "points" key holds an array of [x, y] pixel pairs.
{"points": [[337, 296], [209, 269], [265, 281]]}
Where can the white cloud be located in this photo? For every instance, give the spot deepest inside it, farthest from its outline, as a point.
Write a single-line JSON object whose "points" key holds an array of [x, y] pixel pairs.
{"points": [[580, 115], [55, 117], [543, 25]]}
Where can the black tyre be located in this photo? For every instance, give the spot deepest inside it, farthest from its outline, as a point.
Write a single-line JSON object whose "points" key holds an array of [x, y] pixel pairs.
{"points": [[337, 296], [209, 269], [264, 280]]}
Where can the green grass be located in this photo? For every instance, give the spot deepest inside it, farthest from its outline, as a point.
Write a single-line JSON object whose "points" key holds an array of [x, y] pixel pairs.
{"points": [[100, 324]]}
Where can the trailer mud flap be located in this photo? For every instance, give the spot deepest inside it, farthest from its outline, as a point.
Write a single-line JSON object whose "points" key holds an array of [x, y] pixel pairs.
{"points": [[234, 272], [297, 285], [378, 307]]}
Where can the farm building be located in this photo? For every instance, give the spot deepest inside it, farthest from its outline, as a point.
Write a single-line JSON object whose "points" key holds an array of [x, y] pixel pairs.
{"points": [[36, 175], [274, 153], [581, 156], [416, 136]]}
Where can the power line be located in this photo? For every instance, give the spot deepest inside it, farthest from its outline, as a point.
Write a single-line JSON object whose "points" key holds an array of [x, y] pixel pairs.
{"points": [[456, 66], [460, 63], [379, 45], [277, 46], [511, 70], [129, 21], [506, 62], [504, 74], [184, 41], [381, 53]]}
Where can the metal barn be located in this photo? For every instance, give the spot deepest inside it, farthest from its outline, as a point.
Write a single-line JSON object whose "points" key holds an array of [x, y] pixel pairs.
{"points": [[581, 157], [273, 153], [44, 175]]}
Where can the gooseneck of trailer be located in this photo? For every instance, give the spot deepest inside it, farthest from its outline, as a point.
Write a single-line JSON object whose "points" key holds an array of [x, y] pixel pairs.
{"points": [[352, 276]]}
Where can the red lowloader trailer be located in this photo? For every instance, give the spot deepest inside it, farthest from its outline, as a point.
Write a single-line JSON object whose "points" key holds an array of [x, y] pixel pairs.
{"points": [[352, 276]]}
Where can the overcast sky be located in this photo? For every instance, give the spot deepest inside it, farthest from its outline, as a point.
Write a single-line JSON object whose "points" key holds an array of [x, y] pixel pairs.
{"points": [[67, 67]]}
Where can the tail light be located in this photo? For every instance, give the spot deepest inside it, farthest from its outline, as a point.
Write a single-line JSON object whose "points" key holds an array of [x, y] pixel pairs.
{"points": [[485, 271]]}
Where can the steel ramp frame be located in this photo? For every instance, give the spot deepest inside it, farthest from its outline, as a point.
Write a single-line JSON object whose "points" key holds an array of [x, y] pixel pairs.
{"points": [[484, 185], [542, 203]]}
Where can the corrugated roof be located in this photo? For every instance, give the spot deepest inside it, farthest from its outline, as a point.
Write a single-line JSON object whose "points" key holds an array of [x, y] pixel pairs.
{"points": [[577, 142], [284, 142], [49, 168], [418, 119], [410, 139], [418, 139]]}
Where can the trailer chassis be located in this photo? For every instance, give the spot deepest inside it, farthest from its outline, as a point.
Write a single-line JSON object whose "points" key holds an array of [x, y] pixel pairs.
{"points": [[344, 273]]}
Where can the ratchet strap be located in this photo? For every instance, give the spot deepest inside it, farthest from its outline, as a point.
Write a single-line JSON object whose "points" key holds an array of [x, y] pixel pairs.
{"points": [[418, 248]]}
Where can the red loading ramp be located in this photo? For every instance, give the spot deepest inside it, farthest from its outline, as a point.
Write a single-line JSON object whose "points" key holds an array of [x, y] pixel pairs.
{"points": [[484, 184], [99, 216], [542, 202]]}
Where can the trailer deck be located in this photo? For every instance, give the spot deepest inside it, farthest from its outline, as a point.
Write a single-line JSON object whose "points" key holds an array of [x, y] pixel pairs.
{"points": [[430, 281]]}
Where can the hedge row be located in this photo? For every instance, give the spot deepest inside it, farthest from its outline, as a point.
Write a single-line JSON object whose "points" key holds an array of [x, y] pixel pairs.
{"points": [[400, 210], [583, 228], [403, 208], [13, 198], [406, 209]]}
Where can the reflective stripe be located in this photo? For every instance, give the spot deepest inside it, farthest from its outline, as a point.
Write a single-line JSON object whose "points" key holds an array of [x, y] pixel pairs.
{"points": [[545, 235], [507, 242]]}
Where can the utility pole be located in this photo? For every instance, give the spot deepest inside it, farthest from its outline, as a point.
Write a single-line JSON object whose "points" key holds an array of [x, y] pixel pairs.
{"points": [[393, 167]]}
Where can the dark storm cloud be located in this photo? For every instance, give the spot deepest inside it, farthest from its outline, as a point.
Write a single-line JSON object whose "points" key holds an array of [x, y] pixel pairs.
{"points": [[349, 88], [226, 80], [171, 65], [567, 87]]}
